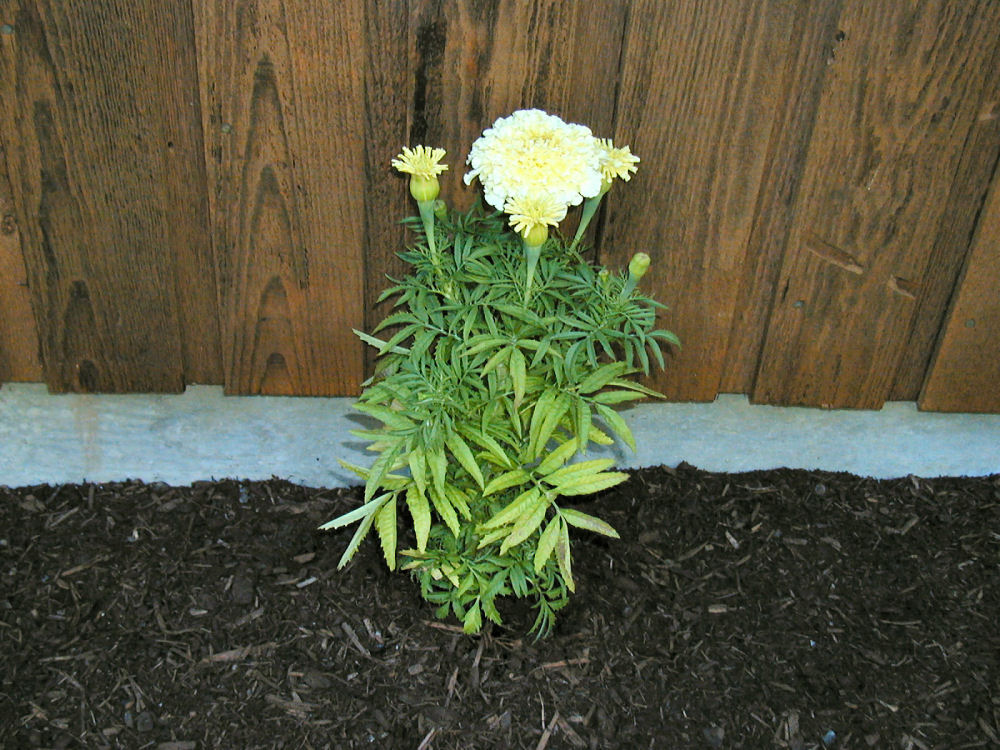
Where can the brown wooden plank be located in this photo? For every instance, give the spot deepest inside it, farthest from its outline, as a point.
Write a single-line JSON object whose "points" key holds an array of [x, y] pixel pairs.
{"points": [[815, 41], [18, 336], [701, 87], [93, 108], [284, 116], [475, 62], [898, 104], [954, 235], [965, 375]]}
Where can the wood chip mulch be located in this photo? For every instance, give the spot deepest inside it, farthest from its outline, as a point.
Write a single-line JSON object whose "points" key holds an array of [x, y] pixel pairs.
{"points": [[786, 609]]}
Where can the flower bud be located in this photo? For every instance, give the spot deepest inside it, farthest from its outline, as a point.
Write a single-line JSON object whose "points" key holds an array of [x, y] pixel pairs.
{"points": [[440, 210], [638, 266], [536, 235], [424, 188]]}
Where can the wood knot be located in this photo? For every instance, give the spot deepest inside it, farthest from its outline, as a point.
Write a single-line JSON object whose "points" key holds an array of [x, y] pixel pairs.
{"points": [[8, 225]]}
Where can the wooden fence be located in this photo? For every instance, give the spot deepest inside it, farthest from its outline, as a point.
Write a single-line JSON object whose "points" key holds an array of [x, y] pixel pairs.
{"points": [[200, 192]]}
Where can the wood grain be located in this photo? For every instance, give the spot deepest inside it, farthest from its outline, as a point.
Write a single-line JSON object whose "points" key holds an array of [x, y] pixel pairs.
{"points": [[965, 375], [701, 86], [475, 62], [93, 109], [19, 360], [813, 46], [950, 248], [896, 109], [284, 117]]}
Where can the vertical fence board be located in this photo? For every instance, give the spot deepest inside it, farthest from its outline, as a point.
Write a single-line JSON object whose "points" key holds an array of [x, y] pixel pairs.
{"points": [[897, 107], [951, 245], [18, 335], [475, 62], [699, 95], [814, 43], [89, 107], [965, 375], [284, 117]]}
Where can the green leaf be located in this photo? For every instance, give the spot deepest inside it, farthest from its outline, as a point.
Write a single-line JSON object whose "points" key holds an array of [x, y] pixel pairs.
{"points": [[439, 467], [459, 501], [505, 481], [493, 536], [359, 535], [357, 514], [633, 386], [485, 441], [518, 375], [617, 397], [590, 523], [550, 420], [445, 511], [582, 468], [420, 511], [563, 556], [617, 423], [460, 450], [526, 525], [582, 423], [390, 417], [516, 508], [385, 524], [378, 343], [591, 483], [547, 543], [473, 621], [602, 376], [418, 468], [557, 457]]}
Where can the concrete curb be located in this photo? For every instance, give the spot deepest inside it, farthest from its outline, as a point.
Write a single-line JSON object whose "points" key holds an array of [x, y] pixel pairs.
{"points": [[202, 434]]}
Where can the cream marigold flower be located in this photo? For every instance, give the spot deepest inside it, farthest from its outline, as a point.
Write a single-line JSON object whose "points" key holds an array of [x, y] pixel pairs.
{"points": [[529, 212], [420, 161], [533, 153], [616, 162]]}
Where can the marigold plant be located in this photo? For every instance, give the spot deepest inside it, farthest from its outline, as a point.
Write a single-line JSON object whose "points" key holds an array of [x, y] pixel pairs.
{"points": [[504, 359]]}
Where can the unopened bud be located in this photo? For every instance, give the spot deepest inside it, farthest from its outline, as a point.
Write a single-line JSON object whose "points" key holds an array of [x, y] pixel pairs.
{"points": [[536, 236], [424, 188], [638, 266], [440, 210]]}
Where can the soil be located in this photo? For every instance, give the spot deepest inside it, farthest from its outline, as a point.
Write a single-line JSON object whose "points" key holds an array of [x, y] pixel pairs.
{"points": [[770, 609]]}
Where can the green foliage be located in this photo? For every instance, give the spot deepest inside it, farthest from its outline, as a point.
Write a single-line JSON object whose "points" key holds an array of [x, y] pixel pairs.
{"points": [[486, 403]]}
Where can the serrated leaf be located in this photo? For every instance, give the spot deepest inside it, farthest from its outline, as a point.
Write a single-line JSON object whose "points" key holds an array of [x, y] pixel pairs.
{"points": [[359, 535], [526, 525], [494, 536], [582, 468], [378, 343], [582, 420], [420, 511], [385, 524], [394, 419], [516, 508], [459, 501], [505, 481], [547, 543], [518, 374], [591, 483], [439, 468], [602, 376], [485, 441], [563, 556], [550, 420], [473, 621], [460, 450], [590, 523], [617, 423], [600, 437], [418, 468], [445, 511], [558, 457], [355, 515], [633, 386], [617, 397]]}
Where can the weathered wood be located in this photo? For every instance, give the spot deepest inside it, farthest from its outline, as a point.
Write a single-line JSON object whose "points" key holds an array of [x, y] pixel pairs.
{"points": [[814, 43], [699, 95], [951, 246], [284, 116], [18, 336], [475, 62], [92, 107], [898, 104], [965, 375]]}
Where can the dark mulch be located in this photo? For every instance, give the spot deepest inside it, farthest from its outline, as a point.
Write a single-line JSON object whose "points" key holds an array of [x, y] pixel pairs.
{"points": [[772, 609]]}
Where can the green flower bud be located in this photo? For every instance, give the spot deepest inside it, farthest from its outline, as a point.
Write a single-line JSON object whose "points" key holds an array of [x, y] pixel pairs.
{"points": [[536, 235], [424, 188], [440, 210], [638, 266]]}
